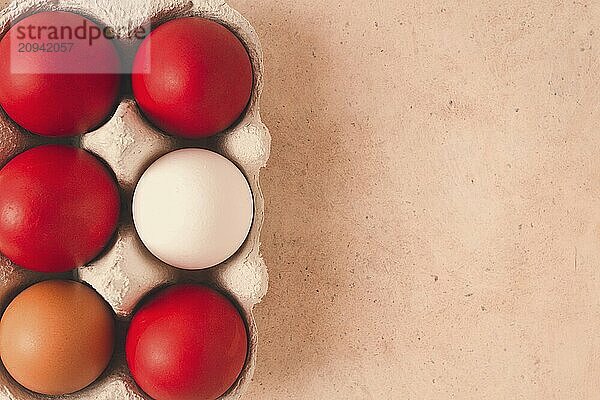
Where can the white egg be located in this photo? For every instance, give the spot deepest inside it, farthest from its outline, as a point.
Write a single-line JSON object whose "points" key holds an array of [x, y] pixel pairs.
{"points": [[193, 208]]}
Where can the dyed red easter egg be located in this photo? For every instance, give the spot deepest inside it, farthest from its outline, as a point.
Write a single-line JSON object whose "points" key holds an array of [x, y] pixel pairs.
{"points": [[188, 342], [59, 206], [59, 74], [192, 77]]}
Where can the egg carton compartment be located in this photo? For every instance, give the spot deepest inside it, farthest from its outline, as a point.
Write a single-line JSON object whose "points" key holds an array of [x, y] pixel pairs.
{"points": [[127, 272]]}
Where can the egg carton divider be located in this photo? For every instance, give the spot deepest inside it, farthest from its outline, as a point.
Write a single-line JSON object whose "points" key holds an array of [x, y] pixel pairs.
{"points": [[126, 272]]}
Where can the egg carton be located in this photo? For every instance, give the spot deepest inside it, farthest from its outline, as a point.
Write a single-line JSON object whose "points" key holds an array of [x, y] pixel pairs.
{"points": [[127, 272]]}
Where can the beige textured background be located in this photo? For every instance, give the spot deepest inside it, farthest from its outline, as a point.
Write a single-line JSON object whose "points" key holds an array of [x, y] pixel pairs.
{"points": [[433, 199]]}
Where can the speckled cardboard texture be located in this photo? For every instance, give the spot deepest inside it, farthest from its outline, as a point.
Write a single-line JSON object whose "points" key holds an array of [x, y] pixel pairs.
{"points": [[433, 200]]}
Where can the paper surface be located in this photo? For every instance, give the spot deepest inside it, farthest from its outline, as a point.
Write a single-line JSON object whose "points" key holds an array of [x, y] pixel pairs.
{"points": [[432, 215]]}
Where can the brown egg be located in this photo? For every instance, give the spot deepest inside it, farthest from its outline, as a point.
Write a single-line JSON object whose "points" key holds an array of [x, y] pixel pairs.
{"points": [[56, 337]]}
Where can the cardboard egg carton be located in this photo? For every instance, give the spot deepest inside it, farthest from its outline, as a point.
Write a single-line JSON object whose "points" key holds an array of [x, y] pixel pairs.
{"points": [[127, 272]]}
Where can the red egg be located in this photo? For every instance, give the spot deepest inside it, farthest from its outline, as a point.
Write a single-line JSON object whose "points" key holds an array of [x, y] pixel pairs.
{"points": [[59, 74], [59, 206], [192, 77], [188, 342]]}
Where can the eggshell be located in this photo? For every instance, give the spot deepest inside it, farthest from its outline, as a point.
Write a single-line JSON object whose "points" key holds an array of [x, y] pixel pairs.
{"points": [[193, 208], [56, 337], [72, 92], [59, 206], [187, 342], [192, 77]]}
